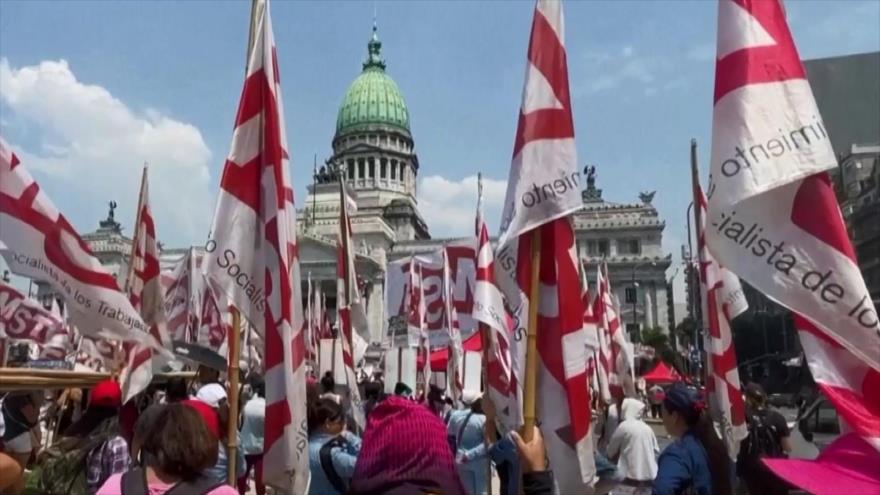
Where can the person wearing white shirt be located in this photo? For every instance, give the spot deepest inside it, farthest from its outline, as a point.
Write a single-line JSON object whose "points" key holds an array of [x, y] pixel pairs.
{"points": [[634, 447]]}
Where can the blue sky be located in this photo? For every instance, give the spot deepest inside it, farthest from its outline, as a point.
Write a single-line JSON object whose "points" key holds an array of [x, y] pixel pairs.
{"points": [[91, 90]]}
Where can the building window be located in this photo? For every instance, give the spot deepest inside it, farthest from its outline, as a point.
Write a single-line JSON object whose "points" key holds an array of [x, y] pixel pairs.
{"points": [[362, 169], [630, 295], [371, 163], [350, 167], [393, 169], [598, 247], [629, 246], [383, 164]]}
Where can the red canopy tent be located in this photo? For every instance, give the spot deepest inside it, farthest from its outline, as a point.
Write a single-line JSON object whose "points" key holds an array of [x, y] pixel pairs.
{"points": [[440, 357], [662, 373]]}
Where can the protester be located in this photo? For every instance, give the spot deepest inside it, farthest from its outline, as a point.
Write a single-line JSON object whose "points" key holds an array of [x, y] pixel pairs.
{"points": [[176, 390], [328, 388], [696, 460], [372, 396], [214, 395], [536, 478], [656, 394], [21, 412], [332, 450], [437, 401], [404, 452], [634, 447], [465, 433], [175, 446], [768, 438], [402, 390], [252, 436]]}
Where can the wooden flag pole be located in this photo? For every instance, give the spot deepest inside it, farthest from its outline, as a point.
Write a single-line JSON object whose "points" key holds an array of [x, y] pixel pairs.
{"points": [[489, 436], [531, 378], [232, 393]]}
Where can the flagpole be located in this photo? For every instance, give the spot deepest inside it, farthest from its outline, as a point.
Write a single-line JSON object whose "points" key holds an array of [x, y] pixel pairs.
{"points": [[698, 217], [530, 383], [120, 361], [232, 393]]}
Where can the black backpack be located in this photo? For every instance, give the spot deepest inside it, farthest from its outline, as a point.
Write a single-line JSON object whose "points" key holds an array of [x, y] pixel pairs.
{"points": [[134, 482], [763, 439], [326, 458]]}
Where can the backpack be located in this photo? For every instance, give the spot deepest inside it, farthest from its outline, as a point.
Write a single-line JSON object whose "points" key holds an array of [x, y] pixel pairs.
{"points": [[134, 482], [763, 437], [326, 458], [61, 468]]}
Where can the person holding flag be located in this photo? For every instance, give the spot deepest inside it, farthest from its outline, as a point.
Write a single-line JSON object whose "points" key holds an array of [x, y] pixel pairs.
{"points": [[537, 269]]}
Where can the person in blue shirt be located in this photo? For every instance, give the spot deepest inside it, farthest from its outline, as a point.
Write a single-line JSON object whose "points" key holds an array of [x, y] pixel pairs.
{"points": [[333, 451], [696, 462], [465, 430]]}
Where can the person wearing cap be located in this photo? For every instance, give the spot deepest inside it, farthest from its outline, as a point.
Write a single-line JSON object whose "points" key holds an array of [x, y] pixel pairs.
{"points": [[403, 390], [465, 432], [101, 419], [696, 461], [768, 437], [214, 395]]}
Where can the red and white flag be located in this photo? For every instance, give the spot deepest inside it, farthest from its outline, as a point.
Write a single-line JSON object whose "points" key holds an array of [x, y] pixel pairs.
{"points": [[617, 352], [773, 218], [37, 241], [722, 300], [213, 322], [184, 287], [415, 321], [252, 256], [23, 319], [349, 305], [144, 287], [455, 359], [542, 190], [598, 376], [491, 314]]}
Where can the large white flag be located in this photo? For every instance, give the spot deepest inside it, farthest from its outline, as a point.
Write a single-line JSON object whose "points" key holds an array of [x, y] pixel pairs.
{"points": [[252, 255], [184, 288], [543, 188], [38, 242], [773, 218], [144, 287]]}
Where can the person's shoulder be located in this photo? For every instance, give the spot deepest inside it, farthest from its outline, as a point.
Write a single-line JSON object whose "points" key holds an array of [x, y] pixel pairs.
{"points": [[113, 485], [223, 490]]}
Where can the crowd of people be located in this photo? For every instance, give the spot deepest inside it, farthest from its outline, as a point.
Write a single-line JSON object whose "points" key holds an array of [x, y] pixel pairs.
{"points": [[174, 441]]}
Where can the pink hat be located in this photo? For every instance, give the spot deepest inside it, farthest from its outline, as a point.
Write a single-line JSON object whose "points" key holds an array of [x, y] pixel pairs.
{"points": [[849, 465], [405, 451]]}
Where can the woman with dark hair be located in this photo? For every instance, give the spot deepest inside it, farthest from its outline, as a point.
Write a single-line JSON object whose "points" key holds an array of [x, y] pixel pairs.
{"points": [[333, 451], [696, 462], [175, 446]]}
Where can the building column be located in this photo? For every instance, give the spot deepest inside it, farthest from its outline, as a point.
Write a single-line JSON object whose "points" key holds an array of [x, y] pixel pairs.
{"points": [[376, 311]]}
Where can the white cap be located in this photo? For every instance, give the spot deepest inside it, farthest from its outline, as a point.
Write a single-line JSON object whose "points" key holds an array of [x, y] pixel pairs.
{"points": [[212, 394], [470, 396]]}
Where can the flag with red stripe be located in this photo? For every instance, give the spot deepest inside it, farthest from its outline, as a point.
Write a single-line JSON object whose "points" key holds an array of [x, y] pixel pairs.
{"points": [[252, 257], [183, 285], [37, 241], [773, 218], [144, 287], [349, 304], [543, 189], [455, 360], [617, 351], [23, 319], [722, 300], [491, 314]]}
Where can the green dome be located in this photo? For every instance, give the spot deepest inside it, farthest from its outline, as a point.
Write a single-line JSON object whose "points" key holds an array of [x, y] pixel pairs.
{"points": [[373, 97]]}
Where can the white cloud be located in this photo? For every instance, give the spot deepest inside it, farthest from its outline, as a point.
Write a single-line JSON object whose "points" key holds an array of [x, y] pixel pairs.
{"points": [[95, 145], [449, 206], [611, 72]]}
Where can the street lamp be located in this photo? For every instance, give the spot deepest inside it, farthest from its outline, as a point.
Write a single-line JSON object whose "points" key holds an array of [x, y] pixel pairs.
{"points": [[636, 298]]}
